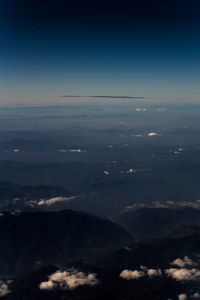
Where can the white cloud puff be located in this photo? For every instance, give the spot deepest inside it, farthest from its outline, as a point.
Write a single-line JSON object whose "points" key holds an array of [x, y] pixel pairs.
{"points": [[182, 297], [69, 279], [129, 274], [151, 272], [141, 109], [130, 171], [55, 200], [76, 150], [183, 274], [4, 288], [196, 295], [176, 152], [153, 134], [72, 150], [154, 272], [186, 261], [136, 274], [47, 285], [106, 173]]}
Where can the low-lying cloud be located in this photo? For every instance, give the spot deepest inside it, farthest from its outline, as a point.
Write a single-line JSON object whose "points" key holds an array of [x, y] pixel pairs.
{"points": [[72, 150], [196, 295], [56, 200], [186, 261], [182, 297], [183, 274], [136, 274], [68, 280], [129, 274], [192, 296], [141, 109], [4, 290], [153, 134], [165, 204], [154, 272]]}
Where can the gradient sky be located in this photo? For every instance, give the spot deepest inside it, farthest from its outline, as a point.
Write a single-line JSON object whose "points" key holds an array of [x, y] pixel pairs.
{"points": [[135, 48]]}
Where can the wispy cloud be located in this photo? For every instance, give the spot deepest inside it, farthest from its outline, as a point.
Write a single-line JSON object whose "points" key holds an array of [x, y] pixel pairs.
{"points": [[103, 96], [55, 200]]}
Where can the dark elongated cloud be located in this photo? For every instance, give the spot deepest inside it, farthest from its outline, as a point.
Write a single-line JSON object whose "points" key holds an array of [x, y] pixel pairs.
{"points": [[103, 96]]}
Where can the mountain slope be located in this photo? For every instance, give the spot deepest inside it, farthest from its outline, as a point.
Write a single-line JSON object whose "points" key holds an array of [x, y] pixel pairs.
{"points": [[28, 240], [147, 224], [155, 255]]}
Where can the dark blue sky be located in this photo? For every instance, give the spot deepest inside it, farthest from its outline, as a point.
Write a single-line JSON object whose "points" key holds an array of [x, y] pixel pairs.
{"points": [[134, 48]]}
